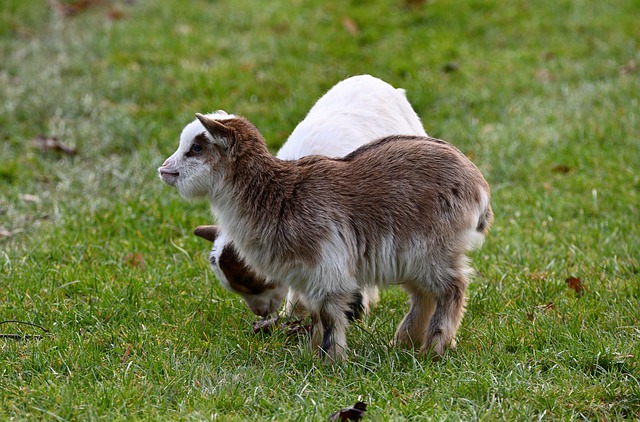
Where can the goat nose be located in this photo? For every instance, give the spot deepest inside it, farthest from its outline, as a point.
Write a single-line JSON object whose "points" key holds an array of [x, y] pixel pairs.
{"points": [[260, 309], [168, 162]]}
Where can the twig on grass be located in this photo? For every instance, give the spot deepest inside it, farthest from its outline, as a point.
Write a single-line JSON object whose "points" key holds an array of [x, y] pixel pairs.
{"points": [[22, 336]]}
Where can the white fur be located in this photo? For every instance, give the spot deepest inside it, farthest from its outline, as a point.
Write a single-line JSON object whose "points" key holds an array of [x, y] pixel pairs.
{"points": [[352, 113]]}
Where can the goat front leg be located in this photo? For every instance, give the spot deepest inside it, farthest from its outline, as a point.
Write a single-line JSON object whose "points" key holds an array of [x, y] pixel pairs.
{"points": [[330, 324]]}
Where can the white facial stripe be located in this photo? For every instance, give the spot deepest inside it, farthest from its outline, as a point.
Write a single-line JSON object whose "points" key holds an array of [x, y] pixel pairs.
{"points": [[195, 128]]}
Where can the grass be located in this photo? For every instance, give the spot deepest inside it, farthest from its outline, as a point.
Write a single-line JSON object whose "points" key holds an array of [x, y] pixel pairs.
{"points": [[97, 250]]}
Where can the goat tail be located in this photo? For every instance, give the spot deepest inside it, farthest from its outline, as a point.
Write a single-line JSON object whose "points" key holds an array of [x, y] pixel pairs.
{"points": [[486, 218]]}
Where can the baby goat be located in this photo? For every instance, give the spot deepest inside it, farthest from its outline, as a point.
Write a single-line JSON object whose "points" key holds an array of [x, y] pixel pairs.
{"points": [[352, 113], [402, 210]]}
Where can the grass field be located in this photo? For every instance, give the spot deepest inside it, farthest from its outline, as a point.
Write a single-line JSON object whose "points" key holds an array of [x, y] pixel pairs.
{"points": [[542, 96]]}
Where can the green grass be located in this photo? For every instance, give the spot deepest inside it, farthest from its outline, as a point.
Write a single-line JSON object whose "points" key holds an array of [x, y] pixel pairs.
{"points": [[544, 100]]}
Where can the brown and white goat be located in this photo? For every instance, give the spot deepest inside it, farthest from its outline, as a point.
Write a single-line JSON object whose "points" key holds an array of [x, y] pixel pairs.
{"points": [[355, 111], [401, 210]]}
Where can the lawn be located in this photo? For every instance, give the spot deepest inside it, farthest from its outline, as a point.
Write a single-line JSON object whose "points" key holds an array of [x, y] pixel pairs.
{"points": [[97, 251]]}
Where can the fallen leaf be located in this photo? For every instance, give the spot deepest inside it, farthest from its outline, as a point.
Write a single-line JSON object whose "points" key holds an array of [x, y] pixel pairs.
{"points": [[450, 67], [576, 285], [546, 307], [561, 168], [115, 14], [69, 8], [134, 259], [350, 26], [267, 325], [127, 352], [51, 143], [353, 413], [296, 327]]}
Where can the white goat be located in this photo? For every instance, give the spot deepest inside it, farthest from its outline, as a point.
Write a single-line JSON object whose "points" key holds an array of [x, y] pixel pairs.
{"points": [[402, 210], [355, 111]]}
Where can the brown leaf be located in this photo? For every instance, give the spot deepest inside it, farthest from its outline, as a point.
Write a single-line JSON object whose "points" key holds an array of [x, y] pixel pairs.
{"points": [[127, 352], [450, 67], [116, 14], [353, 413], [267, 325], [134, 259], [69, 9], [296, 327], [576, 285], [561, 168], [51, 143], [548, 306], [350, 26]]}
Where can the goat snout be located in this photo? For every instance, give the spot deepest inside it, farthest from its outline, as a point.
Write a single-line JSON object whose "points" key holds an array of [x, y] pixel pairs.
{"points": [[168, 172], [262, 309]]}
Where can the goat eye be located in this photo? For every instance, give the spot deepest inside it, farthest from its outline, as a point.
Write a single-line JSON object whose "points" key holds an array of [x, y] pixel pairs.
{"points": [[196, 148]]}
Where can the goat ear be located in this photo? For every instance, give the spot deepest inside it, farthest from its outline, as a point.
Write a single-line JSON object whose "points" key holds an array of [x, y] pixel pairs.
{"points": [[207, 232], [222, 134]]}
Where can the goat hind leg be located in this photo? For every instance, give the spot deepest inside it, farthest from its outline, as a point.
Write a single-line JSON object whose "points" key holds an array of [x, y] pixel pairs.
{"points": [[450, 302], [412, 329]]}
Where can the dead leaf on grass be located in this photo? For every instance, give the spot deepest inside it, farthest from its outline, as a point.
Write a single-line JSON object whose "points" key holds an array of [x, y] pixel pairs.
{"points": [[116, 14], [450, 67], [267, 325], [51, 143], [576, 285], [134, 259], [350, 26], [126, 354], [65, 9], [561, 168], [353, 413]]}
